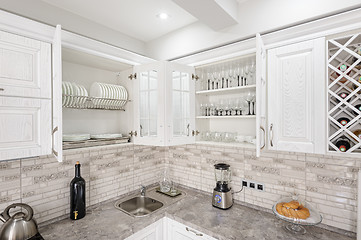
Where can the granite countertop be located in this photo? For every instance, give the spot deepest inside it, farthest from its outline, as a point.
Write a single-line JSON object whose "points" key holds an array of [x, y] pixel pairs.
{"points": [[194, 210]]}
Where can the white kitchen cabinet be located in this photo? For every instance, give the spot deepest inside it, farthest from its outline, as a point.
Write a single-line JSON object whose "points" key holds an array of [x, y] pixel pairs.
{"points": [[179, 231], [25, 97], [296, 97], [155, 231], [163, 104], [25, 66], [25, 127]]}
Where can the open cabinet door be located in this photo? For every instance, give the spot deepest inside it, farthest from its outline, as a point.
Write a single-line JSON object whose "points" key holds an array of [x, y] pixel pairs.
{"points": [[148, 87], [180, 104], [260, 95], [57, 96]]}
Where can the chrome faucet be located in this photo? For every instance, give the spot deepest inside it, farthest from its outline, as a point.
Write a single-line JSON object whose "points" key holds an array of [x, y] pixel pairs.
{"points": [[142, 190]]}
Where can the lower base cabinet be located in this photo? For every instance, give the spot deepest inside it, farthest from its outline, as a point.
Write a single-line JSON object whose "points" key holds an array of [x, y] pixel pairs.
{"points": [[168, 229]]}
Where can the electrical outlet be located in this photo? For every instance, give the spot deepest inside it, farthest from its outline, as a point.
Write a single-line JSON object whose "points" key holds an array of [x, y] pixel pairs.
{"points": [[252, 185], [244, 183], [260, 187]]}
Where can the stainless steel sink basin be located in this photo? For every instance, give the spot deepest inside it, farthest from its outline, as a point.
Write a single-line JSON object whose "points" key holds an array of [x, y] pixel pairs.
{"points": [[138, 206]]}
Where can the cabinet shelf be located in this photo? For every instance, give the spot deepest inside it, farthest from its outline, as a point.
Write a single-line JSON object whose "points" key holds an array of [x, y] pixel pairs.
{"points": [[225, 90], [225, 117], [230, 144], [86, 102]]}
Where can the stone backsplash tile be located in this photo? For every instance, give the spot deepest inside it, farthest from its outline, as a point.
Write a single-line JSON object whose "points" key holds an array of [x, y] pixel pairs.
{"points": [[328, 182]]}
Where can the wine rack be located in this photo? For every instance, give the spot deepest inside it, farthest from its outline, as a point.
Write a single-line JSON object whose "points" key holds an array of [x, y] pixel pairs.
{"points": [[344, 94]]}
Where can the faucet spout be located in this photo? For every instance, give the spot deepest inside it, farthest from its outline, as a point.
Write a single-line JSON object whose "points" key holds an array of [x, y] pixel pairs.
{"points": [[142, 190]]}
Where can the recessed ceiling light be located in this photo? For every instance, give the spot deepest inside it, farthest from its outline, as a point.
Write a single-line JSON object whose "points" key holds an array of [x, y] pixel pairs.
{"points": [[163, 16]]}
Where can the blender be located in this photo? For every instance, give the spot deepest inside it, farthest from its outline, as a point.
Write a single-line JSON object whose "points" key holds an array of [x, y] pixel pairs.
{"points": [[222, 194]]}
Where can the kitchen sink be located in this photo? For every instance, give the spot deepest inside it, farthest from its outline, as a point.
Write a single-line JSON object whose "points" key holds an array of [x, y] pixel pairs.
{"points": [[139, 206]]}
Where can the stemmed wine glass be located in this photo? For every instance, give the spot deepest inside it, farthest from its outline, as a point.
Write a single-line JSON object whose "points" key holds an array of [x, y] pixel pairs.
{"points": [[246, 73], [252, 71], [253, 102], [249, 98]]}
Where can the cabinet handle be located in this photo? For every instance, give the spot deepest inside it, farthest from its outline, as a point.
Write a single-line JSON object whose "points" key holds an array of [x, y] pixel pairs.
{"points": [[52, 134], [141, 130], [264, 139], [192, 231], [271, 134], [188, 129]]}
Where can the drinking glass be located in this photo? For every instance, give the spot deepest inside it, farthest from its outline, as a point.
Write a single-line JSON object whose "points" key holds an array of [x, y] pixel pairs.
{"points": [[242, 76], [253, 102], [249, 98], [247, 74], [252, 73]]}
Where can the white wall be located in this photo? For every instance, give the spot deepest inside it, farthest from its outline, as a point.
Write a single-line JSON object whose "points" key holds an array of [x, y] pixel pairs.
{"points": [[40, 11], [254, 16]]}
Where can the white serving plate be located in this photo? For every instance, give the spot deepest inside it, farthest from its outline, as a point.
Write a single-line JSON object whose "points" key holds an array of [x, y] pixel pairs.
{"points": [[75, 137], [106, 136]]}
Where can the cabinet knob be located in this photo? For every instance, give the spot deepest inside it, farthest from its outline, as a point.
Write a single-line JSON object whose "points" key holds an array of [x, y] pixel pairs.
{"points": [[2, 89]]}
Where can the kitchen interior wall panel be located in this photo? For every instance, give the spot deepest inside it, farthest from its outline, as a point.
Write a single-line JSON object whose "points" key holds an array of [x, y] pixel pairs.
{"points": [[10, 183], [328, 182]]}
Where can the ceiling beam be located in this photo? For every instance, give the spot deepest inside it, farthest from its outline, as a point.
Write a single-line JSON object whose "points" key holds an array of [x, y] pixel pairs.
{"points": [[217, 14]]}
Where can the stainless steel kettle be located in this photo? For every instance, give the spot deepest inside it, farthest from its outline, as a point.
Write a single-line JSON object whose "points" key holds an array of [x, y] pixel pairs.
{"points": [[20, 226]]}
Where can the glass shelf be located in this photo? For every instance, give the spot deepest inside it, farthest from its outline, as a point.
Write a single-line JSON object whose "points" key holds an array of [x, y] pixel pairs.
{"points": [[225, 90]]}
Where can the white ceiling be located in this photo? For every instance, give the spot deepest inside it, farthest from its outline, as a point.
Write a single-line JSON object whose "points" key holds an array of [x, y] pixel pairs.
{"points": [[136, 18]]}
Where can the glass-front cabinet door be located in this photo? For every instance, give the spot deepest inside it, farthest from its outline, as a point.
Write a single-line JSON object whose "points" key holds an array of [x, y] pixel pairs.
{"points": [[180, 112], [163, 104], [148, 104]]}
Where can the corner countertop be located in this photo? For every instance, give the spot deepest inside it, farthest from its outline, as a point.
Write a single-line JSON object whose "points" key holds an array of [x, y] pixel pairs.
{"points": [[194, 210]]}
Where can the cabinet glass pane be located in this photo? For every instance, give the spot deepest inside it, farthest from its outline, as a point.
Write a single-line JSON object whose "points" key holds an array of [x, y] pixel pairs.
{"points": [[148, 99], [180, 103]]}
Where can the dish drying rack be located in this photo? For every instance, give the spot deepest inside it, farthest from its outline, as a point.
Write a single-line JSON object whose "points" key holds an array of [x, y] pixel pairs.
{"points": [[86, 102], [94, 142]]}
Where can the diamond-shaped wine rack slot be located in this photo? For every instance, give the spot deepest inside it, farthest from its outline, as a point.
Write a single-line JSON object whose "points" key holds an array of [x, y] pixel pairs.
{"points": [[344, 94]]}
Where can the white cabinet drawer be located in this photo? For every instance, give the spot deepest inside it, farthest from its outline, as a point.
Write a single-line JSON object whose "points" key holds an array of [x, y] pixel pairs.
{"points": [[25, 67], [25, 127]]}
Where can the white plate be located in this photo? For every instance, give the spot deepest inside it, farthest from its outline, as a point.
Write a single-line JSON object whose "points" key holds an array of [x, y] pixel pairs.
{"points": [[75, 137], [68, 92], [106, 136]]}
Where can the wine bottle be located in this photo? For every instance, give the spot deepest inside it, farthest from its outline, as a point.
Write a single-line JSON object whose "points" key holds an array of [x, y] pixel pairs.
{"points": [[77, 195], [343, 95], [358, 51], [358, 107], [343, 121], [343, 144]]}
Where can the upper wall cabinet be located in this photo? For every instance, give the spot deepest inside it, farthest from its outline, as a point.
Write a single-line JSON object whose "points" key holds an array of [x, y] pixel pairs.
{"points": [[25, 66], [163, 104], [25, 97], [296, 97]]}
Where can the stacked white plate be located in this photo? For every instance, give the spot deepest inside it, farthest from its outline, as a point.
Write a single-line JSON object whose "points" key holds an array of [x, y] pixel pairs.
{"points": [[73, 94], [113, 95], [75, 137], [106, 136]]}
